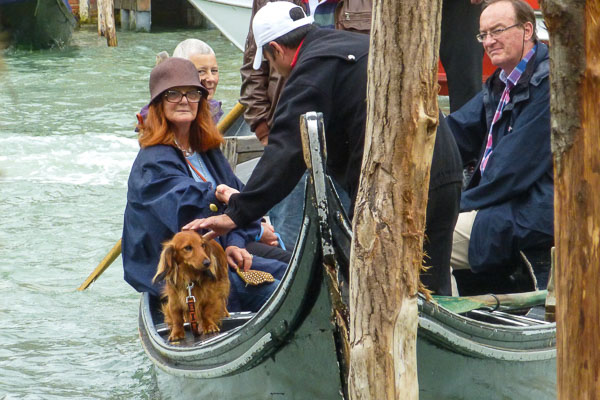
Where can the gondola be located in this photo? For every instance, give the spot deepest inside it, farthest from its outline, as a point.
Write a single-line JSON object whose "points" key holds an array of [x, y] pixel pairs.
{"points": [[291, 348], [37, 24]]}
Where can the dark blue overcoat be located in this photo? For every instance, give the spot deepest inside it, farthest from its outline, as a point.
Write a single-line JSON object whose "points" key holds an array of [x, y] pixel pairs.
{"points": [[515, 195]]}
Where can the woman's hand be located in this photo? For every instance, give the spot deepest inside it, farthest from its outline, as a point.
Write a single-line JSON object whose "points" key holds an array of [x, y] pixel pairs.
{"points": [[268, 236], [238, 258], [224, 192]]}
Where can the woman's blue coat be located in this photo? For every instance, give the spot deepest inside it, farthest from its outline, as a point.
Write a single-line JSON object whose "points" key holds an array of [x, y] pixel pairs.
{"points": [[162, 197]]}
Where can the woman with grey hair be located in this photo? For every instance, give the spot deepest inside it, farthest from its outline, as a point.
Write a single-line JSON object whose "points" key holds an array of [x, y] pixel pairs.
{"points": [[203, 57]]}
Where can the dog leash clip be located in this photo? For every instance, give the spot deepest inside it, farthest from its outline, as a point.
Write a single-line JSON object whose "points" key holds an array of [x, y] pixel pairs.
{"points": [[190, 296]]}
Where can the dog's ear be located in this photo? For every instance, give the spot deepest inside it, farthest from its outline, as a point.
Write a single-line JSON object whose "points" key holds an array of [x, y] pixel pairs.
{"points": [[218, 260], [167, 266]]}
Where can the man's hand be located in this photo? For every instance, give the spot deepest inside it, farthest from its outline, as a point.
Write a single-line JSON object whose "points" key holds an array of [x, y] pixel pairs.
{"points": [[224, 192], [238, 258], [262, 132], [268, 236], [219, 225]]}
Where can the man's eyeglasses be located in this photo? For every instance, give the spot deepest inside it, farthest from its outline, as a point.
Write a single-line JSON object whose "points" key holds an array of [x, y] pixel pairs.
{"points": [[175, 96], [481, 36]]}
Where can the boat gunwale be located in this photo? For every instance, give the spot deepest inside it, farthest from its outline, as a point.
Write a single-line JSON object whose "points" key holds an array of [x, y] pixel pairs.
{"points": [[268, 324]]}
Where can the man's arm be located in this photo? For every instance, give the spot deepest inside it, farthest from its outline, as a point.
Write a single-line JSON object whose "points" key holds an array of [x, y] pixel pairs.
{"points": [[469, 128], [281, 165]]}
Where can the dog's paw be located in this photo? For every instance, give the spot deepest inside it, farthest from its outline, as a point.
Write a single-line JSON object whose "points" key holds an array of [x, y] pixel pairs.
{"points": [[210, 328], [176, 336]]}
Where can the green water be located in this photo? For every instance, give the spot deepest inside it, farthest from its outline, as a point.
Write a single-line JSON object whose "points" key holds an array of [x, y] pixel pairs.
{"points": [[66, 147]]}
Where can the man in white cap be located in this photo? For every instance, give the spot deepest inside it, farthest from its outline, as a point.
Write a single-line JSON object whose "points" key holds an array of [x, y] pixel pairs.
{"points": [[327, 72]]}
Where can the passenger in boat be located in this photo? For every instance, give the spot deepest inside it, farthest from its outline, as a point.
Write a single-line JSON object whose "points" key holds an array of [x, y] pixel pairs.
{"points": [[205, 61], [262, 87], [507, 206], [268, 243], [327, 71], [173, 180]]}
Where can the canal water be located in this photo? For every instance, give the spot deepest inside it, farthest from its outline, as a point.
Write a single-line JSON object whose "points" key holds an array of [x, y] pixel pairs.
{"points": [[66, 147]]}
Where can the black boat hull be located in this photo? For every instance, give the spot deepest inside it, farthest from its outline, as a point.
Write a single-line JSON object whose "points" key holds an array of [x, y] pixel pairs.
{"points": [[37, 24]]}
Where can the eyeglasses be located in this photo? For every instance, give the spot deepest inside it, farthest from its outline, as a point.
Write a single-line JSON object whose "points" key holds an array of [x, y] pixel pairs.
{"points": [[493, 34], [175, 96]]}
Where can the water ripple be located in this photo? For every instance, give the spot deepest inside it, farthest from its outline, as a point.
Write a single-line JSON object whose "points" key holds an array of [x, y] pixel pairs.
{"points": [[66, 147]]}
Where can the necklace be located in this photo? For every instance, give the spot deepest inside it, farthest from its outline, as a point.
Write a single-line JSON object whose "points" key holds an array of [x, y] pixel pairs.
{"points": [[186, 152]]}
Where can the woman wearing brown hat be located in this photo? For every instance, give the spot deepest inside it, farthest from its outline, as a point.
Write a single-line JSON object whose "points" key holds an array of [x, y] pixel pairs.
{"points": [[173, 182]]}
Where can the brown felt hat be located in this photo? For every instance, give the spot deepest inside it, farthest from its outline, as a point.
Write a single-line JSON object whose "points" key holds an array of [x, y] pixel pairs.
{"points": [[171, 73]]}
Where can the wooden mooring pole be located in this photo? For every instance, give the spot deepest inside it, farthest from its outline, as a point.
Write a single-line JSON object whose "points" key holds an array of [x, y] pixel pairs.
{"points": [[389, 222], [574, 27], [106, 21]]}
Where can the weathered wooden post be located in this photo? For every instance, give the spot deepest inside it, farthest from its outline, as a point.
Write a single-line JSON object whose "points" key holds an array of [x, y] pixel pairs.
{"points": [[106, 21], [84, 11], [574, 27], [101, 26], [389, 218]]}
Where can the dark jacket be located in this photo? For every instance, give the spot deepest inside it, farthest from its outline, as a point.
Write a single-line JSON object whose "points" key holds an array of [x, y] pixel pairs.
{"points": [[262, 88], [162, 197], [328, 61], [330, 77], [515, 195]]}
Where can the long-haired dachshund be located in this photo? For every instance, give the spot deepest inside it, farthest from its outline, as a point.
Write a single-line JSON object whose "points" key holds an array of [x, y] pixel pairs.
{"points": [[192, 266]]}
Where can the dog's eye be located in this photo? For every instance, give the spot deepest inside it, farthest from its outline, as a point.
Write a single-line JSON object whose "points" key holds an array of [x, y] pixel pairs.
{"points": [[188, 248]]}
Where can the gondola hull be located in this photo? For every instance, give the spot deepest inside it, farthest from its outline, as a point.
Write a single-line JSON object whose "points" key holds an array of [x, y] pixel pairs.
{"points": [[290, 349]]}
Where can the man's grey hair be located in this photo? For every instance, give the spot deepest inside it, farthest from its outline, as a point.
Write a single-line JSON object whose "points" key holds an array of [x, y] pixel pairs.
{"points": [[190, 47]]}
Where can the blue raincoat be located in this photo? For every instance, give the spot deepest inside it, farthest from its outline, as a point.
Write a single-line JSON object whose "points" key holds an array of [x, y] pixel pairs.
{"points": [[162, 197], [515, 195]]}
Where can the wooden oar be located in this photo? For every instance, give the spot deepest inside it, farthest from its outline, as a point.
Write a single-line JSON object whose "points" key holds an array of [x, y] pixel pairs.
{"points": [[112, 255], [498, 301], [105, 263], [230, 118]]}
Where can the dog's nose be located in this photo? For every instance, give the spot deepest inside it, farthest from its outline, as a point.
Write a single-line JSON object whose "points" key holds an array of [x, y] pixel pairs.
{"points": [[206, 262]]}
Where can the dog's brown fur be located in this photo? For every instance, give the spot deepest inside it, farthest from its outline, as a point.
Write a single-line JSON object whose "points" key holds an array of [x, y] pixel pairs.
{"points": [[189, 258]]}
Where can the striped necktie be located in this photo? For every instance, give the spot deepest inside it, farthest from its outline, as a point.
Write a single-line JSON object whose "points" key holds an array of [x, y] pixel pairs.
{"points": [[511, 81]]}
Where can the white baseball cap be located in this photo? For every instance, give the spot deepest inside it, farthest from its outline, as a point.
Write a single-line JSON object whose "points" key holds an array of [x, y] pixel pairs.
{"points": [[272, 22]]}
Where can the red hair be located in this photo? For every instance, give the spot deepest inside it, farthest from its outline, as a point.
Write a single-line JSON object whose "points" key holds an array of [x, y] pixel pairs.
{"points": [[156, 129]]}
